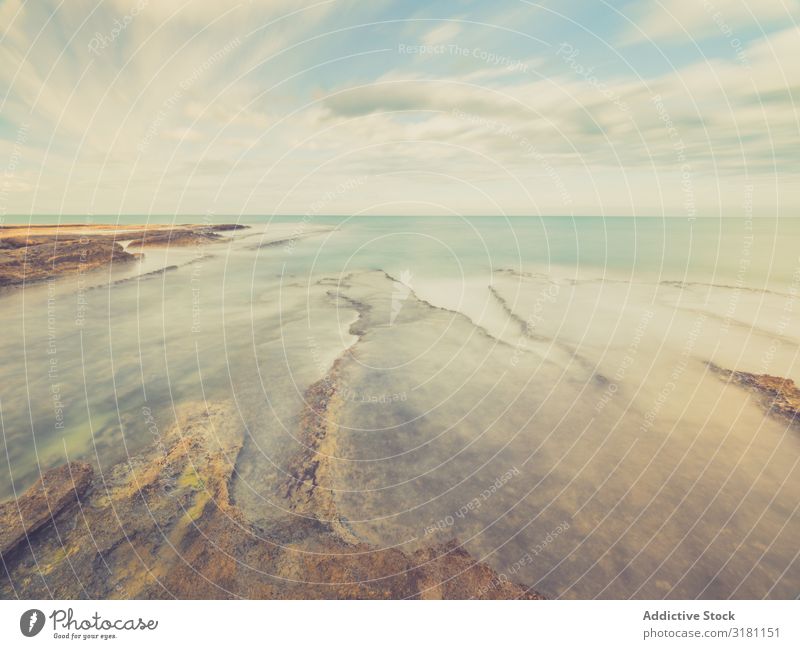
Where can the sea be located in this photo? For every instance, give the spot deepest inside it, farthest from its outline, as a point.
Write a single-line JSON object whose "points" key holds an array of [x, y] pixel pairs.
{"points": [[553, 394]]}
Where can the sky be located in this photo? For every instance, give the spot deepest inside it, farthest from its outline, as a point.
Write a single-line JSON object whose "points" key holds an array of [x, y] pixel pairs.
{"points": [[685, 108]]}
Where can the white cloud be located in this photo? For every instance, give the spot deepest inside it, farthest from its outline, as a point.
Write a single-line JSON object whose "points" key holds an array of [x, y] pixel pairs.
{"points": [[687, 20], [444, 33], [90, 115]]}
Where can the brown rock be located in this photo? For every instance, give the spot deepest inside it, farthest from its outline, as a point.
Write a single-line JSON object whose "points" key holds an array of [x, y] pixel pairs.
{"points": [[39, 505], [39, 259], [162, 525], [37, 253], [778, 396], [182, 235]]}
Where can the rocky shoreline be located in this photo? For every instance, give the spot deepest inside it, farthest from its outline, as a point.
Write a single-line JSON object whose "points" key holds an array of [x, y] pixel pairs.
{"points": [[163, 525], [36, 253]]}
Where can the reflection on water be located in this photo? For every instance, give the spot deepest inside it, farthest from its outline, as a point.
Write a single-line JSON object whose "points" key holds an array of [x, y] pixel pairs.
{"points": [[536, 388]]}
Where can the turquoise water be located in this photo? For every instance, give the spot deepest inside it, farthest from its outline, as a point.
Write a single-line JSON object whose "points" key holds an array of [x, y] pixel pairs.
{"points": [[706, 249], [565, 360]]}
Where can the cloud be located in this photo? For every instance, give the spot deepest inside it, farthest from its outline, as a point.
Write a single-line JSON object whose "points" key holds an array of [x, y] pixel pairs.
{"points": [[146, 121], [730, 122], [445, 33], [201, 11], [693, 20]]}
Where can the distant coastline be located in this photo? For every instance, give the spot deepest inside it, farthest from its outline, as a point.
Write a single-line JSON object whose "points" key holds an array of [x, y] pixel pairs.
{"points": [[34, 253]]}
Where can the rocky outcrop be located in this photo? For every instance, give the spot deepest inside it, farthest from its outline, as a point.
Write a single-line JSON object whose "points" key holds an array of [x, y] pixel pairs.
{"points": [[38, 259], [54, 493], [180, 236], [36, 253], [778, 396], [163, 525]]}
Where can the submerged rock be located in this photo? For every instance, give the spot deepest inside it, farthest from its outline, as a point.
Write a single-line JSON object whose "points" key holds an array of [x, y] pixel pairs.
{"points": [[55, 492], [163, 525]]}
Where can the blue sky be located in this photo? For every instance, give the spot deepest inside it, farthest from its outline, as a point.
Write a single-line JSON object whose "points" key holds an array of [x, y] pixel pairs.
{"points": [[677, 107]]}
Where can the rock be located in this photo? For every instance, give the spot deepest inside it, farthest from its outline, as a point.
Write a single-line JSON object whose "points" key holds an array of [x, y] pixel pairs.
{"points": [[39, 505], [222, 227], [182, 235], [162, 525], [778, 396], [36, 253], [42, 258]]}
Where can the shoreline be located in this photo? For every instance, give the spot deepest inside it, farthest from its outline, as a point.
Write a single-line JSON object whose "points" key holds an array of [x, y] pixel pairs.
{"points": [[164, 525], [35, 253]]}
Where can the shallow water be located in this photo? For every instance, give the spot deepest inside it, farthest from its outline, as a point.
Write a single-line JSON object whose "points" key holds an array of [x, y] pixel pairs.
{"points": [[536, 388]]}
